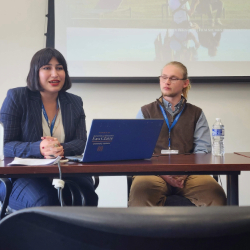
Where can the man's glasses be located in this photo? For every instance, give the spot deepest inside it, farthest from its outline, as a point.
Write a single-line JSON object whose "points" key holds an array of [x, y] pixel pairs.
{"points": [[171, 79]]}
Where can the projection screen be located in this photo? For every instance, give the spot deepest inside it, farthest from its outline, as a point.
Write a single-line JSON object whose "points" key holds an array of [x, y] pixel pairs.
{"points": [[136, 38]]}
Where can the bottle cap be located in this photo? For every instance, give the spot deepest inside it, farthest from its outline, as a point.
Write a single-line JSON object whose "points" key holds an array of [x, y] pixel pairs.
{"points": [[217, 119]]}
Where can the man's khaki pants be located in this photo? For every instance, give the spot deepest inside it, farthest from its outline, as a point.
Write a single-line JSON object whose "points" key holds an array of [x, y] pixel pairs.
{"points": [[201, 190]]}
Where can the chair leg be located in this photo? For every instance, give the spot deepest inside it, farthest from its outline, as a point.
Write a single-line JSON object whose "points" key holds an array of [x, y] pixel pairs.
{"points": [[216, 177], [96, 183], [177, 200], [129, 183], [8, 188]]}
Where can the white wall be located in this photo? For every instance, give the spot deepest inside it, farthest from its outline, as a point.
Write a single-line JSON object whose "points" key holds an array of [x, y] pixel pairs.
{"points": [[22, 28]]}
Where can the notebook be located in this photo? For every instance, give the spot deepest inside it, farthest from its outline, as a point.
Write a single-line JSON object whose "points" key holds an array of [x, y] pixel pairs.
{"points": [[120, 139]]}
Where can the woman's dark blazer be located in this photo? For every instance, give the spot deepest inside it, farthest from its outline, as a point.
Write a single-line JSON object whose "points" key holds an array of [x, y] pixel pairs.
{"points": [[21, 114]]}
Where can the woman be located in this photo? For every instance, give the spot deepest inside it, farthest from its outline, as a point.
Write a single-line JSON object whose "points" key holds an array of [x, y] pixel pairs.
{"points": [[42, 120]]}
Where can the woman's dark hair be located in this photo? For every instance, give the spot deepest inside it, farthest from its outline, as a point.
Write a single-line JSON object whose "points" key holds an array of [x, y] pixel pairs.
{"points": [[41, 58]]}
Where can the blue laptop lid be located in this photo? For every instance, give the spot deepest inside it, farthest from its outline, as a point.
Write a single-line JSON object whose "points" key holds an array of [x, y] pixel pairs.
{"points": [[121, 139]]}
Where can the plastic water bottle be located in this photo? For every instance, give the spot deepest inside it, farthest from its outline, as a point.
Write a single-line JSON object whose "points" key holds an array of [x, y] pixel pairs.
{"points": [[1, 142], [218, 138]]}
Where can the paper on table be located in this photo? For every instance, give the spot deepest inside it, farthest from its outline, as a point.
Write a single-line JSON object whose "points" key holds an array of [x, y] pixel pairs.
{"points": [[34, 162]]}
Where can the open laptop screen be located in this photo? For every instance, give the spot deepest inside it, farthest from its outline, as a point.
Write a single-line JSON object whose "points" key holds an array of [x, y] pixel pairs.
{"points": [[121, 139]]}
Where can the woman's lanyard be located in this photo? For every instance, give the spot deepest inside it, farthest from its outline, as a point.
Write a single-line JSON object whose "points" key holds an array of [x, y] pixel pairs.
{"points": [[51, 126], [174, 122]]}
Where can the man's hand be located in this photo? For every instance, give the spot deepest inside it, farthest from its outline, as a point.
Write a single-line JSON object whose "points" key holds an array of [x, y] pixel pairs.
{"points": [[175, 180]]}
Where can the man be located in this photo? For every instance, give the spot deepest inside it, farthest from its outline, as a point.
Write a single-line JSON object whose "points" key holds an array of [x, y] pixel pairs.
{"points": [[209, 7], [181, 12], [188, 133]]}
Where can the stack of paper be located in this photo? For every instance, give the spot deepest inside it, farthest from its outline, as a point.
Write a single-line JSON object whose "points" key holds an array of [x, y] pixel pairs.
{"points": [[34, 162]]}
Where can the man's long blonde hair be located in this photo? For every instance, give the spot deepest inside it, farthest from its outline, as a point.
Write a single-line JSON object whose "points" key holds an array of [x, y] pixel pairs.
{"points": [[185, 76]]}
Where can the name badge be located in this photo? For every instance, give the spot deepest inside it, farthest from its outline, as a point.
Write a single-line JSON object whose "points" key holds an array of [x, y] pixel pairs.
{"points": [[169, 151]]}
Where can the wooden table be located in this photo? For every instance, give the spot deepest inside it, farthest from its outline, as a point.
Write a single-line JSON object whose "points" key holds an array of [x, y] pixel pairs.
{"points": [[246, 154], [230, 165]]}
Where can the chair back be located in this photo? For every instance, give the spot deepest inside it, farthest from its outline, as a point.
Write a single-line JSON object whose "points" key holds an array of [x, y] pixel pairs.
{"points": [[127, 228]]}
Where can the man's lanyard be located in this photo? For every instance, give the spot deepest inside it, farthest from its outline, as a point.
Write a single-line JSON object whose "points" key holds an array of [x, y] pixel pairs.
{"points": [[174, 122], [51, 126]]}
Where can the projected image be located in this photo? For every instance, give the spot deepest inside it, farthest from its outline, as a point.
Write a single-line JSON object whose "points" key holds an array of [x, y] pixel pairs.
{"points": [[85, 44], [134, 38], [162, 13]]}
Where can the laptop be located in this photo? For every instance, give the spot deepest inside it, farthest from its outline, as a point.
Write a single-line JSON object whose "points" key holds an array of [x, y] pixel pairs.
{"points": [[120, 139]]}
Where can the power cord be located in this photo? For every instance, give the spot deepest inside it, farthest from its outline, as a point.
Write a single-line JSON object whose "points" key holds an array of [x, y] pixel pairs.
{"points": [[59, 185]]}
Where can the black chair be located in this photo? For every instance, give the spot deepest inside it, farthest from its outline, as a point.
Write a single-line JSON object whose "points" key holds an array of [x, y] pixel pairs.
{"points": [[5, 209], [8, 187], [145, 228], [172, 200]]}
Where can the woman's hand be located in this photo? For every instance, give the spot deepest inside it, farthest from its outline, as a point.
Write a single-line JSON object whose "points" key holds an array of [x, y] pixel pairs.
{"points": [[175, 180], [50, 147]]}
